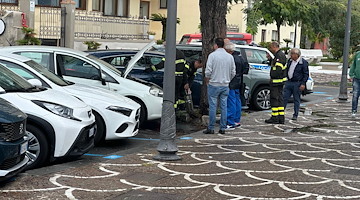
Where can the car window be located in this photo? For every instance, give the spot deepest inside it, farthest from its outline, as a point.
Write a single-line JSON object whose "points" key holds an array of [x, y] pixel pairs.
{"points": [[121, 61], [19, 70], [255, 56], [108, 78], [42, 58], [75, 67]]}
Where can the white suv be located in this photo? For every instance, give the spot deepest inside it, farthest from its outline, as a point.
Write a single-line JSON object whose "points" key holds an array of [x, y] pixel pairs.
{"points": [[116, 116], [58, 124], [80, 67]]}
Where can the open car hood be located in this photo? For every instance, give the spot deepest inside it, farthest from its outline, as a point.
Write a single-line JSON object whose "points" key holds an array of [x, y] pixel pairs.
{"points": [[135, 58]]}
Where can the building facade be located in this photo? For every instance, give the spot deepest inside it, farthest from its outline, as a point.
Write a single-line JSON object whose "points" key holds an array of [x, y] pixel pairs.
{"points": [[109, 21]]}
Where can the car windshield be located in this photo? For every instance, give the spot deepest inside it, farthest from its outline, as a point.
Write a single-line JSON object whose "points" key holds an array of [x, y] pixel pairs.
{"points": [[45, 72], [107, 65], [11, 82]]}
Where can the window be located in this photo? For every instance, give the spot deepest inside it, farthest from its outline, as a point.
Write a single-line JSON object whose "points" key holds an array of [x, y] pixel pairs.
{"points": [[81, 4], [263, 35], [144, 9], [42, 58], [163, 4], [75, 67], [115, 7], [9, 1], [96, 5], [255, 56], [274, 35]]}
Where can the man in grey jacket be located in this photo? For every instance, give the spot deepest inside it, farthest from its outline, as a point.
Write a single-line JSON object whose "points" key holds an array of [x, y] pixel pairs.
{"points": [[220, 69]]}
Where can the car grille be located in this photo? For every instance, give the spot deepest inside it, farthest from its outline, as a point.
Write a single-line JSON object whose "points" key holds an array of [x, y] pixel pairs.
{"points": [[11, 162], [12, 131], [137, 115]]}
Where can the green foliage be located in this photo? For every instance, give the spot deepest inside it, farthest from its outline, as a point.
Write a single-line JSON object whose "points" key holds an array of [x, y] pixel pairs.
{"points": [[159, 41], [158, 17], [29, 38], [92, 45], [265, 44], [151, 32]]}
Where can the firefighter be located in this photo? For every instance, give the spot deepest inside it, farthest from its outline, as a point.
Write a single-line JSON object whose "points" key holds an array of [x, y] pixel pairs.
{"points": [[180, 76], [277, 81]]}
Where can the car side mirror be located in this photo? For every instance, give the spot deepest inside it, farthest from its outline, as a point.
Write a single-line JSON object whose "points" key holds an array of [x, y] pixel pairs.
{"points": [[103, 77], [35, 82], [2, 91]]}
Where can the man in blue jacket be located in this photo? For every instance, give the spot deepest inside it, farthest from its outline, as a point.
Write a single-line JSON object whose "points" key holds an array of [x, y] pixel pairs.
{"points": [[297, 75], [355, 79]]}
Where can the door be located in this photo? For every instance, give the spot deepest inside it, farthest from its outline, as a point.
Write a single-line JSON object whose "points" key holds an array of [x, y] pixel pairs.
{"points": [[79, 70]]}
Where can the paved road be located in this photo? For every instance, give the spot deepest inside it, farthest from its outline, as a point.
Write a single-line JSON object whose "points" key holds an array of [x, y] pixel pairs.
{"points": [[316, 157]]}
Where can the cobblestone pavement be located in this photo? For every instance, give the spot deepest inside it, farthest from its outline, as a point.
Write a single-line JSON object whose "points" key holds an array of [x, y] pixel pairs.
{"points": [[315, 157]]}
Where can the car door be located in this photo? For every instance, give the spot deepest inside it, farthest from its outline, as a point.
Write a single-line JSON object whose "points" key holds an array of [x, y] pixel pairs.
{"points": [[79, 70]]}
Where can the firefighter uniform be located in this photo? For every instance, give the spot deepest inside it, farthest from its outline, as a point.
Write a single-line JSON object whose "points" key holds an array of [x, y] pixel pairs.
{"points": [[180, 76], [277, 81]]}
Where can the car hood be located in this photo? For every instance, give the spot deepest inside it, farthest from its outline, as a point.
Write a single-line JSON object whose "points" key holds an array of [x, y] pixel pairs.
{"points": [[137, 56], [9, 113], [150, 84], [90, 92], [53, 96]]}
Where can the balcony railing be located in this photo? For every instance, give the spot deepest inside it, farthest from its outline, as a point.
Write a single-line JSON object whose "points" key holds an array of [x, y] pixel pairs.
{"points": [[90, 25]]}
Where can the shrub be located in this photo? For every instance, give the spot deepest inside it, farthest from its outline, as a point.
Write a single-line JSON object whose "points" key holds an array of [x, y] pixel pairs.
{"points": [[92, 45]]}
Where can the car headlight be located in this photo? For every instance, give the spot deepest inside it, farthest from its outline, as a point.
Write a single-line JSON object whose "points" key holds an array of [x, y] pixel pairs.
{"points": [[57, 109], [156, 91], [122, 110]]}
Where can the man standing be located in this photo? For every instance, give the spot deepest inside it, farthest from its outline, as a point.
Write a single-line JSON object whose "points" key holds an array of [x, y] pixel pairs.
{"points": [[191, 72], [297, 75], [220, 69], [277, 80], [355, 78], [233, 102]]}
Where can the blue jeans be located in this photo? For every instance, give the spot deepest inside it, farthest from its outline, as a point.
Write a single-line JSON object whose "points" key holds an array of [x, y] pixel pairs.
{"points": [[215, 93], [233, 107], [356, 94], [292, 88]]}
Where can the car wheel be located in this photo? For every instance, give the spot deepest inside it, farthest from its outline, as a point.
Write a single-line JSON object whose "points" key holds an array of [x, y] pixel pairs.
{"points": [[143, 112], [38, 147], [100, 129], [261, 98]]}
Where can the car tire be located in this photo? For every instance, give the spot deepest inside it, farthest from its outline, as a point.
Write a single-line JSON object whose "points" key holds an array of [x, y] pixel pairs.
{"points": [[260, 99], [143, 111], [38, 147], [100, 129]]}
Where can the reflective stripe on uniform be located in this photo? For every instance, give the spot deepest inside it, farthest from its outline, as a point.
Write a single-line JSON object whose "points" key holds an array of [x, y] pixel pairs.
{"points": [[275, 109], [275, 114], [180, 61], [279, 80], [280, 65], [153, 68], [177, 73]]}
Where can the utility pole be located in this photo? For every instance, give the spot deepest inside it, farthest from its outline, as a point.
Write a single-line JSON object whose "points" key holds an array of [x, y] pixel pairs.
{"points": [[167, 147], [343, 97]]}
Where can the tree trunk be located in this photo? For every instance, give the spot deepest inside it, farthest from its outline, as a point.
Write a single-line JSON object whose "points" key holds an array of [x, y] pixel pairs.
{"points": [[213, 25], [163, 36], [278, 32]]}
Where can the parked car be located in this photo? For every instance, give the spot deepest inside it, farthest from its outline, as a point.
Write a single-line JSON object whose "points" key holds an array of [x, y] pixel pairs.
{"points": [[58, 125], [13, 143], [80, 67], [116, 116], [120, 59], [258, 77]]}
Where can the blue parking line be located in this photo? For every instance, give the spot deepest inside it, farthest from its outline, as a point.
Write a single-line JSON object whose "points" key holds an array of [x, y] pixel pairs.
{"points": [[320, 92], [186, 138], [97, 155], [134, 138], [113, 157], [329, 98]]}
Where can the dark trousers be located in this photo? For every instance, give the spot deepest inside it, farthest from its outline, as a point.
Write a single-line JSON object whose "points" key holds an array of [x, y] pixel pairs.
{"points": [[179, 91], [276, 100], [292, 88]]}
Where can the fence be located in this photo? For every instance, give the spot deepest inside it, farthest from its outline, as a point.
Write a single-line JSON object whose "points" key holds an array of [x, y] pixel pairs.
{"points": [[90, 25]]}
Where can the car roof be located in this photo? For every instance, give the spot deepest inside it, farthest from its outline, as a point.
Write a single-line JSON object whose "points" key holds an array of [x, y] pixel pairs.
{"points": [[42, 48], [107, 53]]}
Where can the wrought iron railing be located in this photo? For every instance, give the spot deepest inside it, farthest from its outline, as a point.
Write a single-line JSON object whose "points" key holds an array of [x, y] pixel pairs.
{"points": [[90, 25]]}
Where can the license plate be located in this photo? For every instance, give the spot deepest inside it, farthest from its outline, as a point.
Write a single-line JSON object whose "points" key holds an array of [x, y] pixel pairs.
{"points": [[23, 148], [91, 132]]}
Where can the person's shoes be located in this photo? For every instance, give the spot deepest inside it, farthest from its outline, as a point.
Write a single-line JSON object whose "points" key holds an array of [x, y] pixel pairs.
{"points": [[272, 120], [207, 131], [222, 131], [237, 125], [230, 127], [294, 118], [353, 114], [281, 119]]}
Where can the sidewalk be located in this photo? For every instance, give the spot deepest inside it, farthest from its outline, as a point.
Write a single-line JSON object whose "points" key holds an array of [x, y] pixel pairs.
{"points": [[316, 157]]}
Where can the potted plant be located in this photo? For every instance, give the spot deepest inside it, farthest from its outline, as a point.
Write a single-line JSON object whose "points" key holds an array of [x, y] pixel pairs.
{"points": [[151, 35], [92, 45]]}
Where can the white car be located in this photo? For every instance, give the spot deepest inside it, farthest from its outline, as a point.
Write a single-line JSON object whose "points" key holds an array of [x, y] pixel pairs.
{"points": [[58, 124], [116, 116], [80, 67]]}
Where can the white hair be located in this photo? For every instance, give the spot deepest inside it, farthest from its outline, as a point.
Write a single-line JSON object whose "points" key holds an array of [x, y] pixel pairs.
{"points": [[296, 51], [230, 46]]}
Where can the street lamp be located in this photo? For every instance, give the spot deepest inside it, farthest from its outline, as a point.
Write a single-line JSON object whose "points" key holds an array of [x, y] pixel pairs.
{"points": [[343, 97], [167, 147]]}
